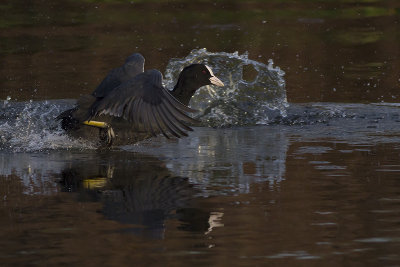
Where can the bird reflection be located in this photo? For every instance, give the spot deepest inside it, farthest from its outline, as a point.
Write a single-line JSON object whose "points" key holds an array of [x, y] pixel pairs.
{"points": [[140, 191]]}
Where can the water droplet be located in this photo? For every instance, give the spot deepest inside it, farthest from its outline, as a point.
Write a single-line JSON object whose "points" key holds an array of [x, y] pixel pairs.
{"points": [[215, 104]]}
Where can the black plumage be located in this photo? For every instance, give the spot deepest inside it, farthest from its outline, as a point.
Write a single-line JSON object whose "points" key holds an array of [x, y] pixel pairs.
{"points": [[139, 107], [147, 105], [133, 65]]}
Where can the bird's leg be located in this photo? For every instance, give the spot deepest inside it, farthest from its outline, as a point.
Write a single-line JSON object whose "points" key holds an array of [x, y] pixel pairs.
{"points": [[107, 134], [98, 124]]}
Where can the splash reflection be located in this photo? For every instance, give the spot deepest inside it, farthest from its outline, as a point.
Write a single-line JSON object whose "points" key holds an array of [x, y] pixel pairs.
{"points": [[135, 190], [225, 161], [139, 191]]}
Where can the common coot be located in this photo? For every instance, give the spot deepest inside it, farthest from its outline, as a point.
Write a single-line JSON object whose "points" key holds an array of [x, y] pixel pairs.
{"points": [[138, 108]]}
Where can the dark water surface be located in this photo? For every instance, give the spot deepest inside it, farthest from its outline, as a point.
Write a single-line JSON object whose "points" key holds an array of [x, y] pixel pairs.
{"points": [[298, 179]]}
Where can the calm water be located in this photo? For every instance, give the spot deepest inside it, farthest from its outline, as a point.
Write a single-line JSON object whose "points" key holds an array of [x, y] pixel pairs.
{"points": [[314, 183]]}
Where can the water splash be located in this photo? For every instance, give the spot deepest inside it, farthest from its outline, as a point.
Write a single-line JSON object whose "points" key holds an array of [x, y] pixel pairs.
{"points": [[239, 102], [31, 126]]}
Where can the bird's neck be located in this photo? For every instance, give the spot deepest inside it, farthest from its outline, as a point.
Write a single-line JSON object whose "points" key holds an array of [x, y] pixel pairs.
{"points": [[184, 90]]}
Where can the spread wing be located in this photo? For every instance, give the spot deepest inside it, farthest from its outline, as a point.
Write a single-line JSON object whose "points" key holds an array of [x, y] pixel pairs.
{"points": [[147, 105], [111, 81], [134, 65]]}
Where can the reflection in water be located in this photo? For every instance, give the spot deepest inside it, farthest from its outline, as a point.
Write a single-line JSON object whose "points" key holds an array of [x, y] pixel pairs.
{"points": [[292, 193], [137, 192], [138, 189], [359, 36], [34, 171], [232, 158], [134, 189]]}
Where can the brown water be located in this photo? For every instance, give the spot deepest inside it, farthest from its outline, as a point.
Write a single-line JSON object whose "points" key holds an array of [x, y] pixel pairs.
{"points": [[319, 187]]}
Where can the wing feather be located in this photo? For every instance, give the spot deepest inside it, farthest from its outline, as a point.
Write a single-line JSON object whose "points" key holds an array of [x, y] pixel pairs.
{"points": [[177, 103], [174, 120], [149, 121], [179, 114], [160, 123], [169, 124], [147, 105]]}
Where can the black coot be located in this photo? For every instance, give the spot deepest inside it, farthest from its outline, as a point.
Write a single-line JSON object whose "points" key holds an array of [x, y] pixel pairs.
{"points": [[140, 108]]}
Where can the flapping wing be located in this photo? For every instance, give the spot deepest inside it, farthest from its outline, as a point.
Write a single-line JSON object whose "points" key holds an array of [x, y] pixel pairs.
{"points": [[147, 105], [133, 65], [111, 81]]}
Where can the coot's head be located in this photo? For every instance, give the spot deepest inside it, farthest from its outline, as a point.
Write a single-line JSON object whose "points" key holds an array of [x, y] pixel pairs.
{"points": [[192, 78], [200, 75]]}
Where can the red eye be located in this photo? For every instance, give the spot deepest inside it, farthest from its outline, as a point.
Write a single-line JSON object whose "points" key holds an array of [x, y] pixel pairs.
{"points": [[204, 72]]}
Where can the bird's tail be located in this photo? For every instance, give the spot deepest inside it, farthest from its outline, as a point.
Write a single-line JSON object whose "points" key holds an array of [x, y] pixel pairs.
{"points": [[84, 104], [72, 118]]}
